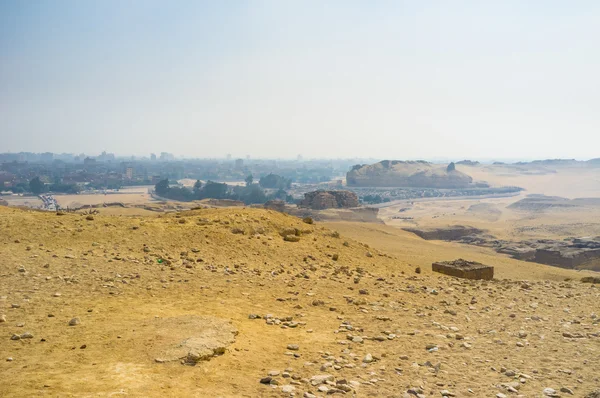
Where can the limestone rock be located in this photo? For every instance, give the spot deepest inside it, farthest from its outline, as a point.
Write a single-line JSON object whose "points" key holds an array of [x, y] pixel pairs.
{"points": [[190, 338]]}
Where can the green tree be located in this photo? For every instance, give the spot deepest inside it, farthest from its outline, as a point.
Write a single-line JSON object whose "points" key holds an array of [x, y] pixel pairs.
{"points": [[162, 187], [36, 186], [249, 180], [274, 181], [214, 190], [197, 186]]}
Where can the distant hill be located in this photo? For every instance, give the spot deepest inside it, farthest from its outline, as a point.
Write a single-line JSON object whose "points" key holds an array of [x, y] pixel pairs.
{"points": [[396, 173], [468, 163]]}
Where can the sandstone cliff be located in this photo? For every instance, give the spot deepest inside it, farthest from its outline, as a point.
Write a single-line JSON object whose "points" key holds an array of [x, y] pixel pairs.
{"points": [[397, 173]]}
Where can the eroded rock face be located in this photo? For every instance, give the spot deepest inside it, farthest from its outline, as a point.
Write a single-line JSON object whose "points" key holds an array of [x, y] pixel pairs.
{"points": [[397, 173], [189, 339], [320, 200], [451, 233], [577, 253]]}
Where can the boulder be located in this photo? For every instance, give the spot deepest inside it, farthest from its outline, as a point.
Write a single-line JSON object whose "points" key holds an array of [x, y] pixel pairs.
{"points": [[321, 200]]}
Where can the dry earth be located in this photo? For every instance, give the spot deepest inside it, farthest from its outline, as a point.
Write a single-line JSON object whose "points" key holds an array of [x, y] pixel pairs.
{"points": [[345, 318]]}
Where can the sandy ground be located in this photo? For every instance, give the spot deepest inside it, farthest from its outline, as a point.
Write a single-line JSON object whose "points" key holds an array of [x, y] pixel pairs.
{"points": [[494, 214], [423, 331], [28, 201]]}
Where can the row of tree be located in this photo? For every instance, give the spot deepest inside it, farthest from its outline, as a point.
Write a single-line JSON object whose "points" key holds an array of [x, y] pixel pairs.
{"points": [[249, 194], [37, 187]]}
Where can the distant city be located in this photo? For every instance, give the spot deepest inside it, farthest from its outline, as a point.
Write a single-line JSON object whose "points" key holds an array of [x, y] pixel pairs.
{"points": [[72, 173]]}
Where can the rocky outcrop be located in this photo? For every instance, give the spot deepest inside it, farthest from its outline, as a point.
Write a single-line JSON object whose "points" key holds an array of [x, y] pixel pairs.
{"points": [[572, 253], [321, 200], [189, 338], [395, 173], [452, 232]]}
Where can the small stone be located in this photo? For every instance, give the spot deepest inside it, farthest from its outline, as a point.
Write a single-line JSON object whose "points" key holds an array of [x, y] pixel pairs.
{"points": [[265, 380], [2, 318], [320, 379], [9, 359], [288, 388], [274, 373], [56, 295], [293, 347], [27, 335], [74, 322], [15, 337], [368, 358], [550, 392]]}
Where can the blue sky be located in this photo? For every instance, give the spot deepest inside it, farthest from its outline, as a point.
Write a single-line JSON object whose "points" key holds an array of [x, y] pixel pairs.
{"points": [[383, 79]]}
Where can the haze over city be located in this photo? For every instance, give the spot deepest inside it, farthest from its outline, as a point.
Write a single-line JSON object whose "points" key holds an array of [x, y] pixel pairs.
{"points": [[300, 198], [385, 79]]}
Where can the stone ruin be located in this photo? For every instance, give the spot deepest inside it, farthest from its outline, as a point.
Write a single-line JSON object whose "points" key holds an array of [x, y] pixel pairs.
{"points": [[464, 269], [321, 200]]}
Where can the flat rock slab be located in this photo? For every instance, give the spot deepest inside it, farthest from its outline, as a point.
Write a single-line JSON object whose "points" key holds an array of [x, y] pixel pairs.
{"points": [[189, 339]]}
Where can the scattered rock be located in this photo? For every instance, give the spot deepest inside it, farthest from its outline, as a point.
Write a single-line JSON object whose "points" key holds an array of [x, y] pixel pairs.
{"points": [[288, 388], [550, 392]]}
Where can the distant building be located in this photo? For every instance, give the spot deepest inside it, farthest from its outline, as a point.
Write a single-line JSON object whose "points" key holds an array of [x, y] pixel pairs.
{"points": [[106, 157], [129, 173], [47, 157], [239, 164], [153, 157], [228, 156], [89, 161], [165, 156]]}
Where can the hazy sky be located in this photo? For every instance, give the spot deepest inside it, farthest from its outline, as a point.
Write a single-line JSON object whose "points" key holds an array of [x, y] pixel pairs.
{"points": [[384, 79]]}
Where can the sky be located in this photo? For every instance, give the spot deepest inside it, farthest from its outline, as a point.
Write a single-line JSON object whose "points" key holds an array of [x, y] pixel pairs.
{"points": [[426, 79]]}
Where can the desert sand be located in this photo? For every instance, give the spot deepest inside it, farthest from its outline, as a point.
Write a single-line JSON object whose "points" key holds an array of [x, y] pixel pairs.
{"points": [[314, 316]]}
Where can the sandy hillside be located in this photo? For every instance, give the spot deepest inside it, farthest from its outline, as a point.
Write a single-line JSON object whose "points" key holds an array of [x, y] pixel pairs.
{"points": [[497, 217], [315, 315], [567, 181]]}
